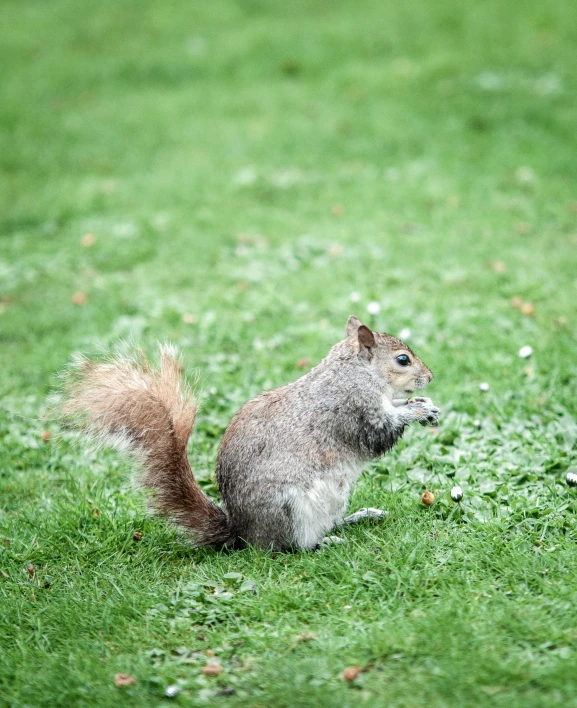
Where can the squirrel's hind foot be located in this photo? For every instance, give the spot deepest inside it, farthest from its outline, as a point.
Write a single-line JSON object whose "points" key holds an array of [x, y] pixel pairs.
{"points": [[365, 513]]}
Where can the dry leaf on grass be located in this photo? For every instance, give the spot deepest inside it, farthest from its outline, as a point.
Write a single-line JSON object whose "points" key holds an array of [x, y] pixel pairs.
{"points": [[351, 673], [79, 298], [122, 680], [212, 669], [527, 308]]}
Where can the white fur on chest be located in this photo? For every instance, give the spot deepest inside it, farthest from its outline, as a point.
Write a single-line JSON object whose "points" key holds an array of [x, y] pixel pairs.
{"points": [[322, 506]]}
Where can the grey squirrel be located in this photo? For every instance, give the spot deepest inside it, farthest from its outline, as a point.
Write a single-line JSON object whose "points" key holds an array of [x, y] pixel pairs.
{"points": [[289, 457]]}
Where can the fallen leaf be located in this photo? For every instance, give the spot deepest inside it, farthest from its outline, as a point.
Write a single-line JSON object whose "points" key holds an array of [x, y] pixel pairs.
{"points": [[79, 298], [137, 535], [212, 669], [122, 680], [306, 637], [351, 673]]}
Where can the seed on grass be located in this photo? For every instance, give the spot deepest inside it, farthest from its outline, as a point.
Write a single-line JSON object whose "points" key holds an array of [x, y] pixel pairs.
{"points": [[31, 571], [210, 652], [571, 478], [484, 387], [351, 673], [456, 494], [172, 690], [306, 637], [428, 498], [88, 240], [516, 301], [337, 210], [187, 318], [498, 266], [302, 363], [95, 511], [122, 680], [137, 535], [46, 435], [212, 669], [527, 308], [79, 298], [525, 352]]}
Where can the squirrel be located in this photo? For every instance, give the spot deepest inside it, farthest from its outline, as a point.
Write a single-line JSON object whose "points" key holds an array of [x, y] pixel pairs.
{"points": [[289, 457]]}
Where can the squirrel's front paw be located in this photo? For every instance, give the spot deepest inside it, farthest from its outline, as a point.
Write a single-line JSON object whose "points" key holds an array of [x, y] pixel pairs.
{"points": [[424, 411]]}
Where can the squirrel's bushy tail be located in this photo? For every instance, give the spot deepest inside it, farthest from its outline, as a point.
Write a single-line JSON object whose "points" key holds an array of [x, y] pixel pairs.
{"points": [[135, 407]]}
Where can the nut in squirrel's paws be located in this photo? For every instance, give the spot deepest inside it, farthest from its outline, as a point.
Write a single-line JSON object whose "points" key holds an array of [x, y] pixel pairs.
{"points": [[425, 410]]}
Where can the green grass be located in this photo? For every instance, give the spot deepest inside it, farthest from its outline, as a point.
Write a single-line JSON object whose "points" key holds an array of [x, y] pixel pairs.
{"points": [[252, 164]]}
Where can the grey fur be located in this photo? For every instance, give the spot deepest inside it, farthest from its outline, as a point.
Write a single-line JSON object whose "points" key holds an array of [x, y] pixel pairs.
{"points": [[289, 457]]}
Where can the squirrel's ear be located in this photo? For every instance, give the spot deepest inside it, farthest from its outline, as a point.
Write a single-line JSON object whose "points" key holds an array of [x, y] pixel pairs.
{"points": [[353, 325], [366, 339]]}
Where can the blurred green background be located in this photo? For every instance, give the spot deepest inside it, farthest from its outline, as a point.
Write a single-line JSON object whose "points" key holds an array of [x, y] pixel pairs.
{"points": [[239, 177]]}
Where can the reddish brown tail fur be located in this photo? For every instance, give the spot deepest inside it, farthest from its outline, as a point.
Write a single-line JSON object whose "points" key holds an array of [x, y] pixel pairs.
{"points": [[135, 407]]}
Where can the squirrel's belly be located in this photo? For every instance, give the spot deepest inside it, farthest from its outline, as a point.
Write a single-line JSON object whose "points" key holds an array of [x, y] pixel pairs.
{"points": [[321, 507]]}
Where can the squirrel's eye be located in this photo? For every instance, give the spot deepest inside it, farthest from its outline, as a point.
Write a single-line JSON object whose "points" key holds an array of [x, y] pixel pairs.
{"points": [[403, 360]]}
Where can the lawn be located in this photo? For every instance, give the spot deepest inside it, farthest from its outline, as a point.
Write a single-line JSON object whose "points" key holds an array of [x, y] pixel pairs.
{"points": [[238, 178]]}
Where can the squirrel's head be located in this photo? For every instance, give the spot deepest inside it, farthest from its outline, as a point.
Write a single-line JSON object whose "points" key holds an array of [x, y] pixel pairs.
{"points": [[393, 361]]}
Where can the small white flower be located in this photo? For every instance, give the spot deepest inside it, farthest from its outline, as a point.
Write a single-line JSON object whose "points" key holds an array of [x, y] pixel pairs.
{"points": [[525, 352], [172, 690], [477, 423], [373, 308], [456, 494], [484, 387], [405, 333], [355, 297], [571, 478]]}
